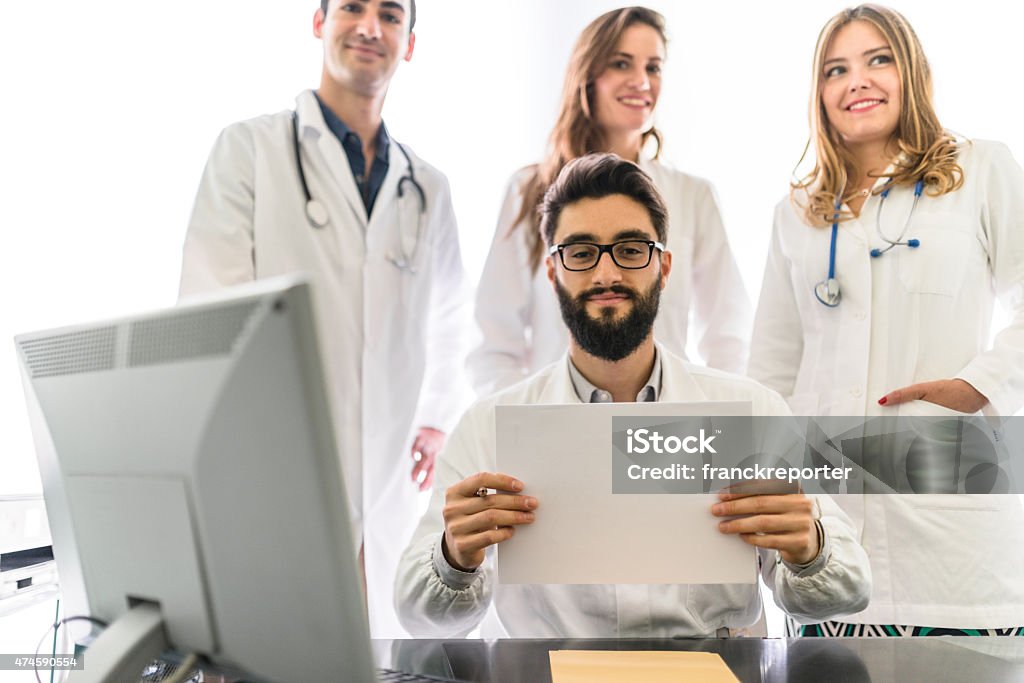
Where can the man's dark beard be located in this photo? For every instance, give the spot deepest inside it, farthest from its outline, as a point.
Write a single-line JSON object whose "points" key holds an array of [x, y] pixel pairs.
{"points": [[607, 338]]}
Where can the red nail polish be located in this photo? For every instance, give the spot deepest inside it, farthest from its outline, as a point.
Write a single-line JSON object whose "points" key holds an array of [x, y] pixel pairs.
{"points": [[882, 401]]}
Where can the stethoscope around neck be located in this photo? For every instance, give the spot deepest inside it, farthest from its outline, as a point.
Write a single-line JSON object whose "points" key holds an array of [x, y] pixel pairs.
{"points": [[316, 212], [827, 291]]}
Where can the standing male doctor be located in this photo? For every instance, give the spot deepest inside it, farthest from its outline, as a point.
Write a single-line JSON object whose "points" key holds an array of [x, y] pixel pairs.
{"points": [[325, 190]]}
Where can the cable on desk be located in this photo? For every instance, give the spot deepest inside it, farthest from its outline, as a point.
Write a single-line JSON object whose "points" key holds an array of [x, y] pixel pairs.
{"points": [[53, 653], [55, 626]]}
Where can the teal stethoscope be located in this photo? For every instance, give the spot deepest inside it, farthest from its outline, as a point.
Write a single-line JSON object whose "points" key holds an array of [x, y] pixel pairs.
{"points": [[317, 215], [827, 291]]}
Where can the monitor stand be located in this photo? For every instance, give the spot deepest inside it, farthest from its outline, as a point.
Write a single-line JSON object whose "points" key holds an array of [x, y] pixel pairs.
{"points": [[123, 649]]}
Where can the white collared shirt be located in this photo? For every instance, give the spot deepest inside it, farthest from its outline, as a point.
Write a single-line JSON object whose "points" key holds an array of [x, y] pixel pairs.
{"points": [[588, 393]]}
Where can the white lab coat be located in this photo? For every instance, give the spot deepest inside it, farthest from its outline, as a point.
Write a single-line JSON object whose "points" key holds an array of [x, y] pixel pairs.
{"points": [[518, 312], [391, 340], [910, 316], [431, 607]]}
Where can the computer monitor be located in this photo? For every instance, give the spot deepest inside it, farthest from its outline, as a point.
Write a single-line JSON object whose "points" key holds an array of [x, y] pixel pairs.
{"points": [[189, 467]]}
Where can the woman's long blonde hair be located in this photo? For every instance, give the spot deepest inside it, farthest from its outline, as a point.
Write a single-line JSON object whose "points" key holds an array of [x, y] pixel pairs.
{"points": [[928, 151], [575, 132]]}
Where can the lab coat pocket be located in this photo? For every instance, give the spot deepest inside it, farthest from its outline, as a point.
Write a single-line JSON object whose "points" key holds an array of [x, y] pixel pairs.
{"points": [[957, 551], [952, 461], [928, 409], [938, 265]]}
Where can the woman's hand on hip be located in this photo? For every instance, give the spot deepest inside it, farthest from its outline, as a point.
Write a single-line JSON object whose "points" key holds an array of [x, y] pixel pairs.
{"points": [[955, 394]]}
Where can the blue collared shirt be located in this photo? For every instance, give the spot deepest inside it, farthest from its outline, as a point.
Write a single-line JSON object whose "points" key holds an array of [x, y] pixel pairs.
{"points": [[353, 146]]}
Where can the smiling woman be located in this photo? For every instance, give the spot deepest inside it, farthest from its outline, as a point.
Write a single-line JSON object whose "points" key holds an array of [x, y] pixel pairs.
{"points": [[872, 102], [611, 90], [861, 93], [925, 233]]}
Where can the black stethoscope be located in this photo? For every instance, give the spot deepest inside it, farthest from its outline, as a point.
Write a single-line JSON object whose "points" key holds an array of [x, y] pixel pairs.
{"points": [[827, 291], [317, 215]]}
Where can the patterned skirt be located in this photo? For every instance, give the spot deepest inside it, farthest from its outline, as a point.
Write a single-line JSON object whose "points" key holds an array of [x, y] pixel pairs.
{"points": [[837, 629]]}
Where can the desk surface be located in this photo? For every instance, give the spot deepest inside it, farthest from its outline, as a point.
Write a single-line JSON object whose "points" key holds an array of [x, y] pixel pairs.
{"points": [[753, 660]]}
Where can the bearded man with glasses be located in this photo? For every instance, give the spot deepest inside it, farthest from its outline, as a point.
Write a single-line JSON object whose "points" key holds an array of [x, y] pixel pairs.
{"points": [[604, 223]]}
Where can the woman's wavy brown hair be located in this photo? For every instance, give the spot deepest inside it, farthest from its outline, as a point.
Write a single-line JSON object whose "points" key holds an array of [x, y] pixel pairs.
{"points": [[927, 150], [576, 133]]}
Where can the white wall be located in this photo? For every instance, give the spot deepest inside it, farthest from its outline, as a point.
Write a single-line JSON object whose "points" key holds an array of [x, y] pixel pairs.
{"points": [[109, 109]]}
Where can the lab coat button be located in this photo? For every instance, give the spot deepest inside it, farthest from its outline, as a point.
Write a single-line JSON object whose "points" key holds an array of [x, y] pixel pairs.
{"points": [[860, 315], [856, 391]]}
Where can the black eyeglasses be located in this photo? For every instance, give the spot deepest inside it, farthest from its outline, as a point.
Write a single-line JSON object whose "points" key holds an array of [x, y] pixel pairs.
{"points": [[627, 254]]}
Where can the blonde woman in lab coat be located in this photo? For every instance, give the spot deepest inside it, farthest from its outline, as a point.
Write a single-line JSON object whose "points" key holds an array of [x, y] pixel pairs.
{"points": [[611, 90], [884, 265]]}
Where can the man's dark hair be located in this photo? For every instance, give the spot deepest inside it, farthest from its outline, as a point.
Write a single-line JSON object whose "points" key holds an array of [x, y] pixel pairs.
{"points": [[412, 11], [599, 175]]}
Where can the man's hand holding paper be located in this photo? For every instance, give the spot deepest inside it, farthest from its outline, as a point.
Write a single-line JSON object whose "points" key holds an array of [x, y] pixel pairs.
{"points": [[779, 522], [474, 521]]}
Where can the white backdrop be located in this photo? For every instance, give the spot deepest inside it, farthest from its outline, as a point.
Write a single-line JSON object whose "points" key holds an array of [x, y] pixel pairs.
{"points": [[109, 110]]}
